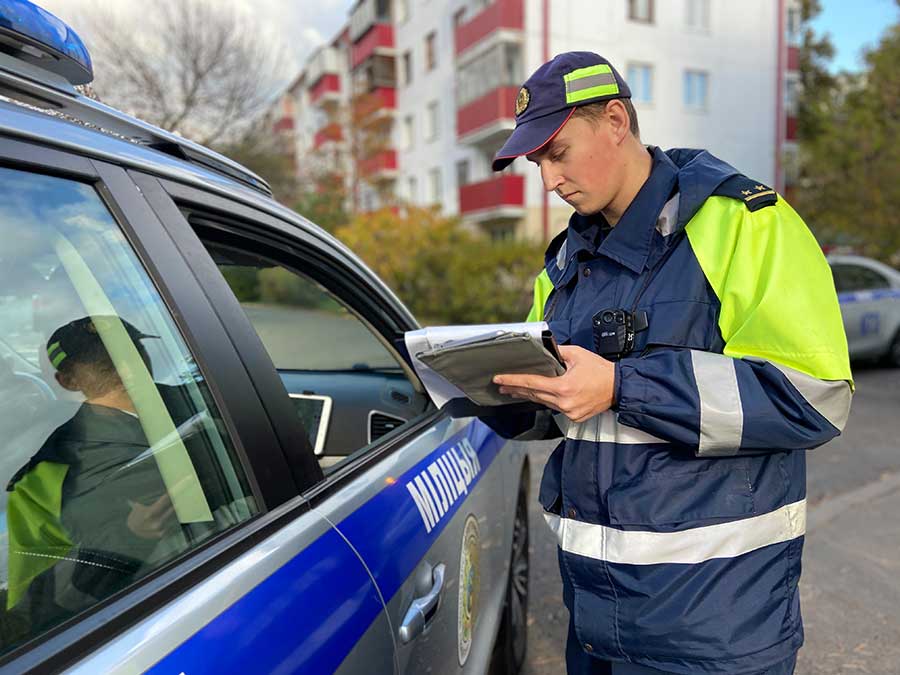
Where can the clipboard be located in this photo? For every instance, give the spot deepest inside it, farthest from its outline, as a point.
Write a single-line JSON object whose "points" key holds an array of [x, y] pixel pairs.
{"points": [[471, 363]]}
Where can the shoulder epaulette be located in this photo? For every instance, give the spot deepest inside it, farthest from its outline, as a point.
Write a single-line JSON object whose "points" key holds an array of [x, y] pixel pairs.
{"points": [[754, 194]]}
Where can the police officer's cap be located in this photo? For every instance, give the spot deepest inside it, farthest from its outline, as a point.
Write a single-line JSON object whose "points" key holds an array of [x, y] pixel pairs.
{"points": [[80, 341], [549, 97]]}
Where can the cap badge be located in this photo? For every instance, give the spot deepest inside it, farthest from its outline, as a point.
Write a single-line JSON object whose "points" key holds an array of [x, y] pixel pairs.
{"points": [[522, 100]]}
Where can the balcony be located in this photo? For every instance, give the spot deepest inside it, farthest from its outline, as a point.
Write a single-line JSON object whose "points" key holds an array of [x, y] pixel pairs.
{"points": [[790, 130], [489, 119], [379, 39], [501, 15], [365, 14], [380, 166], [379, 105], [793, 58], [326, 89], [324, 61], [284, 125], [330, 133], [501, 198]]}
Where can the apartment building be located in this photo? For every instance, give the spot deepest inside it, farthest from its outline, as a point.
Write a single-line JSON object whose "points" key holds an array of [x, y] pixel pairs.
{"points": [[414, 97]]}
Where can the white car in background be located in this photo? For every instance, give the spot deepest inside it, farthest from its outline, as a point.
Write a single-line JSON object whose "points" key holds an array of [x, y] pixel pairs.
{"points": [[869, 293]]}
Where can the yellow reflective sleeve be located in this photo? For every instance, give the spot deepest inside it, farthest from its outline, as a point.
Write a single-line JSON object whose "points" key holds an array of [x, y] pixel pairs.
{"points": [[774, 284], [542, 288], [37, 539]]}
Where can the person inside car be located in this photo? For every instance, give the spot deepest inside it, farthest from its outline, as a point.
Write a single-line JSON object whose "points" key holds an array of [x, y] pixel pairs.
{"points": [[92, 495]]}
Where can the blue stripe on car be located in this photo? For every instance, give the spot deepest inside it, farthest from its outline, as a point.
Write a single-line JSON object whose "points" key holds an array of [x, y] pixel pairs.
{"points": [[867, 296], [292, 622], [309, 614], [401, 539]]}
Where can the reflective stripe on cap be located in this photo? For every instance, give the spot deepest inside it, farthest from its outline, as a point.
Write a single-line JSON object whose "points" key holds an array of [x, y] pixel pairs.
{"points": [[590, 82]]}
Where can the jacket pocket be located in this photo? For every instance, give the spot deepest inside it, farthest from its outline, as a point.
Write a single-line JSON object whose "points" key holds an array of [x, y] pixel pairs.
{"points": [[705, 497], [679, 323], [550, 493]]}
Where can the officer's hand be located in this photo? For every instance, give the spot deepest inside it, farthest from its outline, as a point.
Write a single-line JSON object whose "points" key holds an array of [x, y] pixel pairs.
{"points": [[151, 521], [585, 390]]}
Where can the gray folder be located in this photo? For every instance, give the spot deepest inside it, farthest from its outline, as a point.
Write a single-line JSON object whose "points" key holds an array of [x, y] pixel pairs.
{"points": [[471, 364]]}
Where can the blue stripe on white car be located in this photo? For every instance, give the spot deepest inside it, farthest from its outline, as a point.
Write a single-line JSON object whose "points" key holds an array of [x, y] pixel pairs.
{"points": [[310, 613], [868, 296]]}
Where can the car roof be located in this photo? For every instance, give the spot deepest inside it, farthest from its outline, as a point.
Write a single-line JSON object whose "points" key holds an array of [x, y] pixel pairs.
{"points": [[871, 263]]}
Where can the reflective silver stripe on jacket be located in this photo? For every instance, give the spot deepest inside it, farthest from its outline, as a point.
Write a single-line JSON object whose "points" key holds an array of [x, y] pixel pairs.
{"points": [[604, 428], [721, 413], [696, 545], [830, 398]]}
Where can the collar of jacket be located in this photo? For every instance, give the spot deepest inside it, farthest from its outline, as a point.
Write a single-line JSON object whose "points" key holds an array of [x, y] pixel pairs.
{"points": [[694, 174]]}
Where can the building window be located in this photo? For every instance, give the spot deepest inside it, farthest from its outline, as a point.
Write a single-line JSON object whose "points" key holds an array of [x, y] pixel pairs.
{"points": [[791, 94], [640, 10], [412, 189], [697, 14], [790, 163], [462, 172], [432, 122], [696, 89], [793, 24], [407, 133], [435, 194], [499, 66], [430, 51], [402, 10], [407, 68], [640, 81], [503, 233]]}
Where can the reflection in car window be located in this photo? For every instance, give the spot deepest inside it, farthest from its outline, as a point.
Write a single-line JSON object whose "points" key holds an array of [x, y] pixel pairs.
{"points": [[277, 301], [346, 387], [115, 460], [848, 278]]}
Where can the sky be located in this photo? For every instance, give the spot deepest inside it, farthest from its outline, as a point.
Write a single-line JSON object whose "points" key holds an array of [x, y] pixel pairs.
{"points": [[853, 24], [305, 24]]}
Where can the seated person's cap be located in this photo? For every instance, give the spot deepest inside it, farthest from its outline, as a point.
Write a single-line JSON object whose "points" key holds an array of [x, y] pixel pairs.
{"points": [[549, 97], [80, 341]]}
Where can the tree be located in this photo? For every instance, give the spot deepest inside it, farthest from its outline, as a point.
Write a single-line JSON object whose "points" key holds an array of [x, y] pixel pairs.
{"points": [[850, 180], [324, 203], [197, 67], [817, 84], [258, 150], [442, 271]]}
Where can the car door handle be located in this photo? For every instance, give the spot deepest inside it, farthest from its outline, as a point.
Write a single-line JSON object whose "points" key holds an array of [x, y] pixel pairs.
{"points": [[422, 609]]}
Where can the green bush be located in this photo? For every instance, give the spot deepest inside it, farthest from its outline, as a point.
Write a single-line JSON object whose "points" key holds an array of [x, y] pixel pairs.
{"points": [[443, 272]]}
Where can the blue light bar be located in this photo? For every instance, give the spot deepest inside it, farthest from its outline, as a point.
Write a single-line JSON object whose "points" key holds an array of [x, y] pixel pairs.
{"points": [[38, 37]]}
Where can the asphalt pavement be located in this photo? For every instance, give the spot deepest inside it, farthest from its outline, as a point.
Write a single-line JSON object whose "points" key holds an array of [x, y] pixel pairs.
{"points": [[850, 589]]}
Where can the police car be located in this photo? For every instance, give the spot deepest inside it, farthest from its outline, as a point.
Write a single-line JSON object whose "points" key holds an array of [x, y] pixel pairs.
{"points": [[216, 455], [869, 293]]}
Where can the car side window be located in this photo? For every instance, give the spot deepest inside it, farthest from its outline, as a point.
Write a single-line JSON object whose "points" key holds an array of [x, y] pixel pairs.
{"points": [[849, 278], [115, 459], [347, 387]]}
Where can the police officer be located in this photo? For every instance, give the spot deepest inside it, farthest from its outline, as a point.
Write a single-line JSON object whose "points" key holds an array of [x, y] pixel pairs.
{"points": [[91, 497], [705, 355]]}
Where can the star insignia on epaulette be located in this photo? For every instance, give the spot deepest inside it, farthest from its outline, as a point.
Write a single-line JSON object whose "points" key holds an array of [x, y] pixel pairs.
{"points": [[755, 195]]}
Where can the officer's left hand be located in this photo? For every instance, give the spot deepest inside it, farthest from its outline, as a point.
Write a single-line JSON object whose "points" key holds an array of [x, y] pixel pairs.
{"points": [[584, 390]]}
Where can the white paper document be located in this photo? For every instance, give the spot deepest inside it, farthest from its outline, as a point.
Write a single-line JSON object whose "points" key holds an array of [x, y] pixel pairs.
{"points": [[426, 339]]}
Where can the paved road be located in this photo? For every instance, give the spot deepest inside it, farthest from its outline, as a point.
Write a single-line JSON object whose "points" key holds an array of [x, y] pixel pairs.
{"points": [[851, 565]]}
